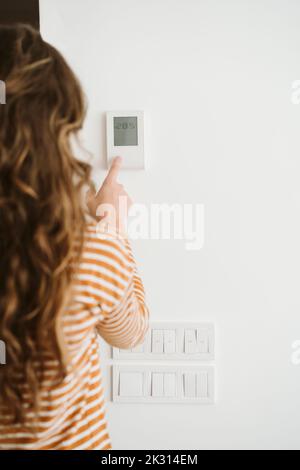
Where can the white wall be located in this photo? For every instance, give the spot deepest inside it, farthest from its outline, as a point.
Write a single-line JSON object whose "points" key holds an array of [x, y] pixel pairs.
{"points": [[215, 78]]}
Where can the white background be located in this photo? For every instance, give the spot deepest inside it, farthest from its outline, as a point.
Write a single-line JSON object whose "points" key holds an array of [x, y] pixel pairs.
{"points": [[215, 78]]}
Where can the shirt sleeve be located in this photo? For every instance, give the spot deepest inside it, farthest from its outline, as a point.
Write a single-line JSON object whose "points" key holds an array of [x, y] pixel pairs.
{"points": [[109, 283]]}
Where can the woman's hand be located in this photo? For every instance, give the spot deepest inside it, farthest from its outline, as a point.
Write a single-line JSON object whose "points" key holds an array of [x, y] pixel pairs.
{"points": [[112, 203]]}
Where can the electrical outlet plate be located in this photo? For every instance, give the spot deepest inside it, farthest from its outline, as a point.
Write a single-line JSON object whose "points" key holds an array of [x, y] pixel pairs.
{"points": [[202, 350], [182, 384]]}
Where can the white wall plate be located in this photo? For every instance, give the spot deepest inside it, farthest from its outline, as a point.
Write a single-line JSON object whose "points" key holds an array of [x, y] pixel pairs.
{"points": [[173, 341], [163, 384]]}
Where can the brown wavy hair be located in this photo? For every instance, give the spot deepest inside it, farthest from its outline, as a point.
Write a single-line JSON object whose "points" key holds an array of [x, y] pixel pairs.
{"points": [[42, 216]]}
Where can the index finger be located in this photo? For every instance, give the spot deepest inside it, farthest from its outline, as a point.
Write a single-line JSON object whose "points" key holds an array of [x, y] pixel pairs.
{"points": [[114, 170]]}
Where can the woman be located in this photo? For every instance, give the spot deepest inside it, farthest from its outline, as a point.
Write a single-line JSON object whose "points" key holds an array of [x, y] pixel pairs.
{"points": [[62, 280]]}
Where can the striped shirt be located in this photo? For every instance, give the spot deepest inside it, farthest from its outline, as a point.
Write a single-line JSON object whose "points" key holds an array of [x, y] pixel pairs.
{"points": [[108, 299]]}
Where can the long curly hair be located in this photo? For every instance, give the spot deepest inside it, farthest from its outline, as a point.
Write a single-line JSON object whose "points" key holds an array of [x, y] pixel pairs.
{"points": [[42, 215]]}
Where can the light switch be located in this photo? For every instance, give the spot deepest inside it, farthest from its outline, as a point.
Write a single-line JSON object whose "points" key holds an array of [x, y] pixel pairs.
{"points": [[190, 342], [157, 341], [190, 385], [169, 341], [169, 385], [131, 384], [203, 341], [202, 385], [138, 349], [157, 389]]}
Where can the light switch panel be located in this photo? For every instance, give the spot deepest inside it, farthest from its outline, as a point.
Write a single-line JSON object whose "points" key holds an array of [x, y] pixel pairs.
{"points": [[163, 384], [131, 384], [174, 341], [139, 349]]}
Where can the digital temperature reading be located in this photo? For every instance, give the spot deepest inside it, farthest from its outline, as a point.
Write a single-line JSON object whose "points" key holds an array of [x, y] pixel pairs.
{"points": [[125, 136], [125, 131]]}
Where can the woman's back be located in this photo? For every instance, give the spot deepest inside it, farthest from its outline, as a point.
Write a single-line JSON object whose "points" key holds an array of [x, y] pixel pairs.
{"points": [[63, 280], [108, 298]]}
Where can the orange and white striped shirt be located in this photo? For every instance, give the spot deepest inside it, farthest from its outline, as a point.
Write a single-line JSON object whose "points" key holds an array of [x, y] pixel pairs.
{"points": [[109, 299]]}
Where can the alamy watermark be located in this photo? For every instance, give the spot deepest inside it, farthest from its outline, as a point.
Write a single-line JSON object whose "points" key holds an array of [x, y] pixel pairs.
{"points": [[2, 353], [2, 92], [183, 222], [295, 356], [295, 100]]}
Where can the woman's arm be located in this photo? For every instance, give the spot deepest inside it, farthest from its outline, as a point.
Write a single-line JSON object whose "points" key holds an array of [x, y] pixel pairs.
{"points": [[126, 325], [124, 312]]}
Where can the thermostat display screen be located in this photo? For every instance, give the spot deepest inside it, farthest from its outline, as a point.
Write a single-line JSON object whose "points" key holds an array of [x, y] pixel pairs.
{"points": [[125, 131]]}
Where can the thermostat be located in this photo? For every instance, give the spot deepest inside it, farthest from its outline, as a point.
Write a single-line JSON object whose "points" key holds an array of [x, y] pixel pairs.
{"points": [[125, 138]]}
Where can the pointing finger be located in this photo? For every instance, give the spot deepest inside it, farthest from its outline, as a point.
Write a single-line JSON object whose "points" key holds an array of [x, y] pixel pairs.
{"points": [[114, 170]]}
